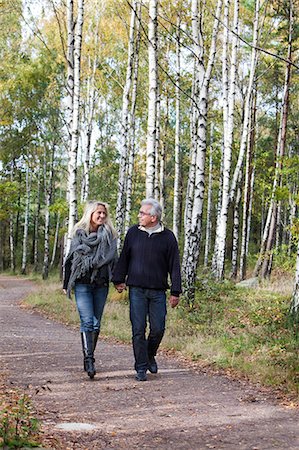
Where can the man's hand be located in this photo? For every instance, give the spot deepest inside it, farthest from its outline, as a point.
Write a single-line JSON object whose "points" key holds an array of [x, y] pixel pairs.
{"points": [[173, 301], [64, 291], [120, 287]]}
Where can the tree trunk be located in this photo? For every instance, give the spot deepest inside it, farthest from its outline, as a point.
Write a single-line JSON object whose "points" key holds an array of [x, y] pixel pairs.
{"points": [[48, 197], [247, 109], [294, 308], [73, 151], [229, 93], [209, 204], [236, 228], [26, 219], [132, 125], [177, 157], [55, 241], [192, 238], [267, 241], [123, 166], [152, 98], [247, 192], [36, 221]]}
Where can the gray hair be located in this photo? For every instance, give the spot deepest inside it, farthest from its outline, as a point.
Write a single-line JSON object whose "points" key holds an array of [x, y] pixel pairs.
{"points": [[156, 209]]}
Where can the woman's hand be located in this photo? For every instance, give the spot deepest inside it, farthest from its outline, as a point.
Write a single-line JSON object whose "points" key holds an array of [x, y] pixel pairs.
{"points": [[120, 287], [64, 291]]}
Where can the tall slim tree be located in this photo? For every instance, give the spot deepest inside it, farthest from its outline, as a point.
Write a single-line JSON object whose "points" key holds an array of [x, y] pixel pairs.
{"points": [[152, 98], [74, 142]]}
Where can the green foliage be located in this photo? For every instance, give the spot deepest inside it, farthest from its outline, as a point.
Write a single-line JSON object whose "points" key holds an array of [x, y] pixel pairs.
{"points": [[244, 329], [8, 198], [18, 424]]}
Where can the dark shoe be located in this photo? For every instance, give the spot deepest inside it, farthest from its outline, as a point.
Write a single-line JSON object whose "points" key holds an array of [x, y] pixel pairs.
{"points": [[141, 375], [152, 365]]}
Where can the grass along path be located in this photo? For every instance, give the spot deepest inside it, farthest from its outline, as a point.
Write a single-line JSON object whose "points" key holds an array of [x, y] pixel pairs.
{"points": [[241, 330]]}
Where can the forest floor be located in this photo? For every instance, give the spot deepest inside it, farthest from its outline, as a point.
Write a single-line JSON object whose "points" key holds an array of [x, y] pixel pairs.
{"points": [[181, 407]]}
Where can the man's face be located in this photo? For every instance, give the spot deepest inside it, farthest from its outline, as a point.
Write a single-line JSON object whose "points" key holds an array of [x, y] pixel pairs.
{"points": [[146, 219]]}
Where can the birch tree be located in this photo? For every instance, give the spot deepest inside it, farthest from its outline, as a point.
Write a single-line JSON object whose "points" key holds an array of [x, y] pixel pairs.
{"points": [[209, 202], [203, 75], [294, 308], [26, 218], [177, 162], [270, 224], [91, 96], [152, 98], [73, 151], [48, 185], [229, 93], [132, 125], [247, 196]]}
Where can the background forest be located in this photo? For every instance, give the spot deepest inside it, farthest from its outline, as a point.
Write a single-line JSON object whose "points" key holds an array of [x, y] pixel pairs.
{"points": [[192, 102]]}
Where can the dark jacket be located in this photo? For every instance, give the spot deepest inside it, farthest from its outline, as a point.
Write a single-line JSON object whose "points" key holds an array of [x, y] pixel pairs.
{"points": [[147, 260], [102, 278]]}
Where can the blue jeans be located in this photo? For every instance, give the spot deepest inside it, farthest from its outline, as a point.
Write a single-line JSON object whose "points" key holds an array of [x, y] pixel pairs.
{"points": [[90, 304], [146, 304]]}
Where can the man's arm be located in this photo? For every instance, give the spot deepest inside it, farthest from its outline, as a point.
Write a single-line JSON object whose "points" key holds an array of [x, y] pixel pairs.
{"points": [[174, 268], [121, 269]]}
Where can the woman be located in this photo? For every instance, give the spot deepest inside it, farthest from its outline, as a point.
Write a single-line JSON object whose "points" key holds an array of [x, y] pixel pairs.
{"points": [[88, 269]]}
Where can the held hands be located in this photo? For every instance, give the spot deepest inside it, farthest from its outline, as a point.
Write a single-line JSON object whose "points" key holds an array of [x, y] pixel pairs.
{"points": [[120, 287], [173, 301]]}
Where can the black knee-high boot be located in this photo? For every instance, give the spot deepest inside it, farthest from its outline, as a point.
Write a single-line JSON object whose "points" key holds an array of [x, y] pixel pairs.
{"points": [[95, 336], [87, 345]]}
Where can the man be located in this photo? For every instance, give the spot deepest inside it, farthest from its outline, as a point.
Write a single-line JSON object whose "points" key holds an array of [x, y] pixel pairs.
{"points": [[150, 253]]}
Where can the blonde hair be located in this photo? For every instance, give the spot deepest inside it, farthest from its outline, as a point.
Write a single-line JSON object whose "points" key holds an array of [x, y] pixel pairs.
{"points": [[90, 207]]}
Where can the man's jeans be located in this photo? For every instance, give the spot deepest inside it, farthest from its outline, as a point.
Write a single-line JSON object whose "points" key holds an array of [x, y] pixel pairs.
{"points": [[151, 304], [90, 304]]}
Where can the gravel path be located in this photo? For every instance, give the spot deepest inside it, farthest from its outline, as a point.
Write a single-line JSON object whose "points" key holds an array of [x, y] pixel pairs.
{"points": [[178, 409]]}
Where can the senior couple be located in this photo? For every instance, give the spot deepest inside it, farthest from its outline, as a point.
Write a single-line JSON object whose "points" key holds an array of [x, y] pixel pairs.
{"points": [[149, 256]]}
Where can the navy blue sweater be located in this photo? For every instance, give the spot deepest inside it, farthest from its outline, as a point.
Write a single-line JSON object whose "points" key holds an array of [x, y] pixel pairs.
{"points": [[146, 260]]}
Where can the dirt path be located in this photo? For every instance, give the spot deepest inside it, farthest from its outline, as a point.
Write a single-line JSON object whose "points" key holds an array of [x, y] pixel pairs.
{"points": [[177, 409]]}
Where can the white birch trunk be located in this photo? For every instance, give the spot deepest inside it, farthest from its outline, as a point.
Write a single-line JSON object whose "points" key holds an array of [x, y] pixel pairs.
{"points": [[177, 156], [132, 126], [11, 243], [163, 157], [55, 240], [198, 74], [192, 239], [267, 239], [36, 221], [294, 308], [157, 149], [236, 227], [26, 219], [229, 93], [48, 180], [250, 212], [73, 152], [70, 64], [209, 204], [247, 193], [11, 232], [123, 165], [152, 99], [247, 108]]}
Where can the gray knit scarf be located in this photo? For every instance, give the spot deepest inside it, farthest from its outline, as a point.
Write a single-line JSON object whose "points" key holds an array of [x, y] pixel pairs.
{"points": [[89, 252]]}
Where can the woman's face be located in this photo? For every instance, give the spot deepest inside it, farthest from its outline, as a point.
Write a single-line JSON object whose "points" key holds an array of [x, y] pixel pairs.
{"points": [[98, 217]]}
